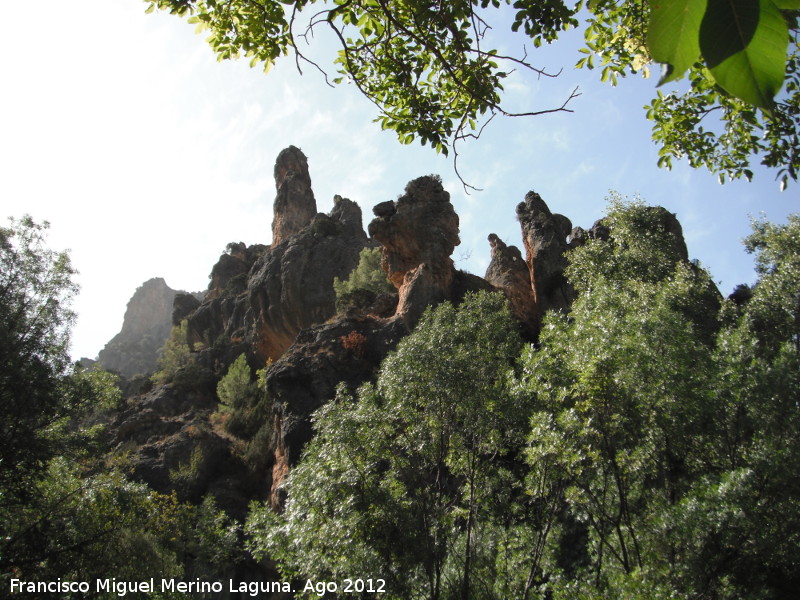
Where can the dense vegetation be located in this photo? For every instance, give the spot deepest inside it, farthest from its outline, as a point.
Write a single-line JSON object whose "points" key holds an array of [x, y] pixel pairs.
{"points": [[67, 511], [644, 447], [364, 283]]}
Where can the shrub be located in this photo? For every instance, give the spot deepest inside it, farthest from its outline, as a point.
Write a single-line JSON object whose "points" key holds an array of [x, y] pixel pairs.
{"points": [[355, 342], [175, 355], [243, 401], [368, 276]]}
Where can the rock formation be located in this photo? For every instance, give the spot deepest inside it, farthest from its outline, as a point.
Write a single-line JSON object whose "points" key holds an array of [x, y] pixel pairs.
{"points": [[222, 313], [147, 324], [544, 235], [294, 206], [509, 273], [290, 286], [418, 232], [277, 302], [348, 350], [267, 294]]}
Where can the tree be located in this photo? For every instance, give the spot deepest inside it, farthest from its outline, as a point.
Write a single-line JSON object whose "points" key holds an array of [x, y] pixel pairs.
{"points": [[398, 484], [742, 521], [427, 69], [669, 422], [36, 289], [65, 513], [367, 279], [621, 396], [244, 402]]}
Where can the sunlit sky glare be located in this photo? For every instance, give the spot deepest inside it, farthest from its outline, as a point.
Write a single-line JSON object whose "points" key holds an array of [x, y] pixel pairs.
{"points": [[148, 156]]}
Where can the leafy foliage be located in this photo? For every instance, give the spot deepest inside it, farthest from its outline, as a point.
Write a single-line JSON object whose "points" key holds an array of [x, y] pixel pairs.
{"points": [[36, 290], [242, 400], [645, 448], [368, 276], [81, 527], [62, 513], [399, 483], [738, 54], [175, 355], [426, 68]]}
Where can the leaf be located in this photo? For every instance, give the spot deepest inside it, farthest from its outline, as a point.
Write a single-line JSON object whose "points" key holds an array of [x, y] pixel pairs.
{"points": [[787, 4], [673, 35], [744, 44]]}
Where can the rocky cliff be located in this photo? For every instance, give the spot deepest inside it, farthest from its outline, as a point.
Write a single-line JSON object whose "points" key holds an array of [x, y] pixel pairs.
{"points": [[145, 327], [266, 295], [276, 304]]}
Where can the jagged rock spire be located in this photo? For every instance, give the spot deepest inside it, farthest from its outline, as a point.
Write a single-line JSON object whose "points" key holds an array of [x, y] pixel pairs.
{"points": [[294, 206]]}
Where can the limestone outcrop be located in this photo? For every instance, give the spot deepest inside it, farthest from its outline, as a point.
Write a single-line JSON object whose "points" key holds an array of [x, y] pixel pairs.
{"points": [[509, 273], [349, 351], [544, 235], [266, 295], [418, 232], [145, 327], [290, 287], [294, 206], [221, 315]]}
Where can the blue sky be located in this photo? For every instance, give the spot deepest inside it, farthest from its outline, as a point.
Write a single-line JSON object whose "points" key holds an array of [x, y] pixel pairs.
{"points": [[148, 156]]}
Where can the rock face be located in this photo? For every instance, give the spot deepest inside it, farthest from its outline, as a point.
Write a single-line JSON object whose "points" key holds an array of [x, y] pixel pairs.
{"points": [[544, 235], [221, 316], [509, 273], [348, 350], [173, 447], [418, 232], [294, 206], [290, 286], [266, 295], [147, 324]]}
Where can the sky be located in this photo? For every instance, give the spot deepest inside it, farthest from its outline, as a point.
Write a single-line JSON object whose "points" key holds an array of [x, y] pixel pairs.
{"points": [[147, 156]]}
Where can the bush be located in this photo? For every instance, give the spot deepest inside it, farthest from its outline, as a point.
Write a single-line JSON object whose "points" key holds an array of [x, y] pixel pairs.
{"points": [[367, 277], [242, 401], [175, 355]]}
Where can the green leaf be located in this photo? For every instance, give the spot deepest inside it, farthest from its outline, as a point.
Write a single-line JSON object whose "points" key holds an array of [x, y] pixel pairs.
{"points": [[787, 4], [744, 44], [673, 35]]}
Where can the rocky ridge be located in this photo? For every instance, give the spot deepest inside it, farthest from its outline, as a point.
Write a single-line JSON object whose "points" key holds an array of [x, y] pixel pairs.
{"points": [[276, 304], [145, 327]]}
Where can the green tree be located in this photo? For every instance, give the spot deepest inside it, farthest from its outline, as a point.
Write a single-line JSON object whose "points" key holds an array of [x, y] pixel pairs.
{"points": [[368, 276], [670, 424], [399, 484], [36, 290], [243, 401], [741, 522], [427, 67], [175, 355]]}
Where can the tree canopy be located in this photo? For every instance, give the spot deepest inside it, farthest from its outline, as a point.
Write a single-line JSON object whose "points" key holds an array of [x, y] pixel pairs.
{"points": [[433, 76], [66, 511], [644, 447]]}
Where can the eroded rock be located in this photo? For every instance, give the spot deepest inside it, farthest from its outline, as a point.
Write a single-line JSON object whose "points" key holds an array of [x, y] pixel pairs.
{"points": [[294, 205], [418, 232], [544, 235], [348, 350], [509, 273]]}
